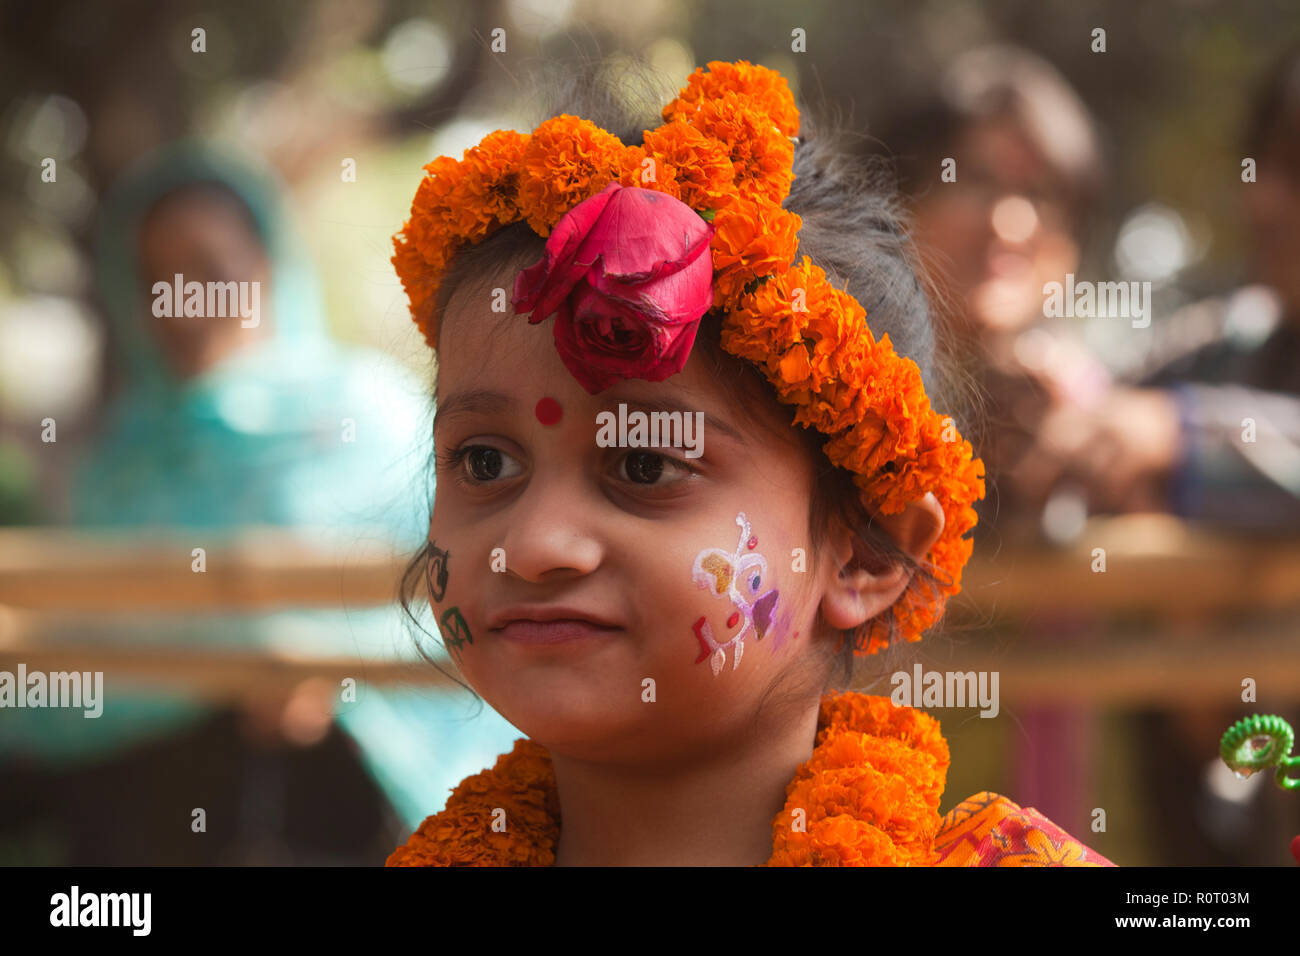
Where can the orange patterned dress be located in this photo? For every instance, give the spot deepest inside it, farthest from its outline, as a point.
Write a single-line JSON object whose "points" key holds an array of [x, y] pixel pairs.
{"points": [[990, 830]]}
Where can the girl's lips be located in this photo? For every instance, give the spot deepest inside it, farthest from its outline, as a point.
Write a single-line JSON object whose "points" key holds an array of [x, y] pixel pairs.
{"points": [[553, 632]]}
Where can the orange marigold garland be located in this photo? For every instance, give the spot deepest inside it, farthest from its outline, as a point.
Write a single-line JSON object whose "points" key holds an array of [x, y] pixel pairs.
{"points": [[870, 793], [766, 89], [869, 796], [724, 151], [817, 350]]}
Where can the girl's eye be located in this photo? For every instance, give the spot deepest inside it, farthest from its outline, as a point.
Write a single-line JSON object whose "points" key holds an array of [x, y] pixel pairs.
{"points": [[646, 468], [483, 463]]}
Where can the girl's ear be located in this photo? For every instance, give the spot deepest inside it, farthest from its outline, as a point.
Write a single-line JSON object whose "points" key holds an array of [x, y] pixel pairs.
{"points": [[866, 584]]}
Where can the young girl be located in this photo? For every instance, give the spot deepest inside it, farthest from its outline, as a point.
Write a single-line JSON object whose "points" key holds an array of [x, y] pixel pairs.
{"points": [[685, 476]]}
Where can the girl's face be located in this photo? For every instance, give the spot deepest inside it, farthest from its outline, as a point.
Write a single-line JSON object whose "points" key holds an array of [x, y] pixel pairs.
{"points": [[612, 602]]}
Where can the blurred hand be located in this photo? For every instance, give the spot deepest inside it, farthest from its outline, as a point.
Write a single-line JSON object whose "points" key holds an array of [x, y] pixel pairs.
{"points": [[1122, 450]]}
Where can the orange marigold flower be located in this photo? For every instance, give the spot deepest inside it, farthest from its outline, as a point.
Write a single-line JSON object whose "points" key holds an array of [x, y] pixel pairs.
{"points": [[490, 182], [456, 202], [835, 410], [642, 172], [420, 282], [427, 226], [767, 90], [794, 325], [699, 165], [770, 319], [567, 160], [864, 448], [762, 155], [750, 240]]}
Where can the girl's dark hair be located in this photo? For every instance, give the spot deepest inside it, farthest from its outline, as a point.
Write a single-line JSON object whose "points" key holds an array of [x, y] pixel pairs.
{"points": [[853, 228]]}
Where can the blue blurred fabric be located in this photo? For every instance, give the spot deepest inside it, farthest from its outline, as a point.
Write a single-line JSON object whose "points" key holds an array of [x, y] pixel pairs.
{"points": [[259, 440]]}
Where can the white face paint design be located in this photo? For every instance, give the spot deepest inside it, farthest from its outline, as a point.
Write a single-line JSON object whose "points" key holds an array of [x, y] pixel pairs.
{"points": [[739, 575]]}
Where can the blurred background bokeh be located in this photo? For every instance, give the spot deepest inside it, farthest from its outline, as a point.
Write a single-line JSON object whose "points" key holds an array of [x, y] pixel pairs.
{"points": [[287, 139]]}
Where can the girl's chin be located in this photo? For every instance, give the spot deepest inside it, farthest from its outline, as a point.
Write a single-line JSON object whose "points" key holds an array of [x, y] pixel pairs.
{"points": [[570, 714]]}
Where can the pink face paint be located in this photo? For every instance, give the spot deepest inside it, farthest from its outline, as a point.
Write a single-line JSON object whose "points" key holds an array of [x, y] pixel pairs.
{"points": [[738, 575], [781, 633], [548, 411]]}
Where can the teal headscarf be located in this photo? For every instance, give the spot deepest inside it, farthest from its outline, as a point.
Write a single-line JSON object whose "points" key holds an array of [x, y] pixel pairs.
{"points": [[263, 436], [292, 430]]}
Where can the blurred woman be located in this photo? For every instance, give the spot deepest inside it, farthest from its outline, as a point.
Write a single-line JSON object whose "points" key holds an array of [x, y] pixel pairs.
{"points": [[1002, 164], [1211, 432], [247, 415]]}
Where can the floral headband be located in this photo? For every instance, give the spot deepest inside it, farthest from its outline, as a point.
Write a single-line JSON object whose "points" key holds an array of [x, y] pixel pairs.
{"points": [[711, 178]]}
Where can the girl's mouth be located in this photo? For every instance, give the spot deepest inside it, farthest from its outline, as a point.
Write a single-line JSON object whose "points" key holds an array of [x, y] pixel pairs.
{"points": [[554, 632]]}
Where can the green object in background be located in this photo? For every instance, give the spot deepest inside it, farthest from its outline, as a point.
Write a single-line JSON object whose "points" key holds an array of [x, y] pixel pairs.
{"points": [[1259, 742], [18, 491]]}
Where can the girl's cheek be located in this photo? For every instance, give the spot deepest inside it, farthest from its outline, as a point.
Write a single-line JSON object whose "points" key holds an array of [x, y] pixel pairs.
{"points": [[455, 630], [747, 604], [437, 572]]}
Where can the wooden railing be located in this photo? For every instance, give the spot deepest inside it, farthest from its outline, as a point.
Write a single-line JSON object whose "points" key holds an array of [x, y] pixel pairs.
{"points": [[1178, 613]]}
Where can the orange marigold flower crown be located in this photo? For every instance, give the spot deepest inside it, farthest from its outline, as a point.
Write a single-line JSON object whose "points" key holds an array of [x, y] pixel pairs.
{"points": [[726, 151]]}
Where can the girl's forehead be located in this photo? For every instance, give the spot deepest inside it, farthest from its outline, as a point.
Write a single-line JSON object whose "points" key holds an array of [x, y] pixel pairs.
{"points": [[477, 344], [496, 364], [512, 365], [506, 365]]}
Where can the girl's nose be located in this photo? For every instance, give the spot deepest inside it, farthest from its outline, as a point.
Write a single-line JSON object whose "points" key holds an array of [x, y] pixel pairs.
{"points": [[552, 533]]}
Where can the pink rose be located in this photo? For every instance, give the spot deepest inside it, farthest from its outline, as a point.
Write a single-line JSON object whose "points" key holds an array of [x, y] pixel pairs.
{"points": [[627, 274]]}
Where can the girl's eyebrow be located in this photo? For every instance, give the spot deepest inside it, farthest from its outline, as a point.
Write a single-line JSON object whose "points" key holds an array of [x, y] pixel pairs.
{"points": [[474, 400], [663, 405], [486, 402]]}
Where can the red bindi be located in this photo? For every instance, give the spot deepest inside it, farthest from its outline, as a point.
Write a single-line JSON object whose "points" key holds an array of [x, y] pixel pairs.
{"points": [[753, 543], [548, 411], [733, 620]]}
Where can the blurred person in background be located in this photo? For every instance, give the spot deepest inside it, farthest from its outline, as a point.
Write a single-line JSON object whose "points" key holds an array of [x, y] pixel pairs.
{"points": [[1001, 165], [222, 423], [1180, 440]]}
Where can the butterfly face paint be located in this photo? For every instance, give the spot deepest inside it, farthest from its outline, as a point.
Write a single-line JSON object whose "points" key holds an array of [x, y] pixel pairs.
{"points": [[739, 576]]}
